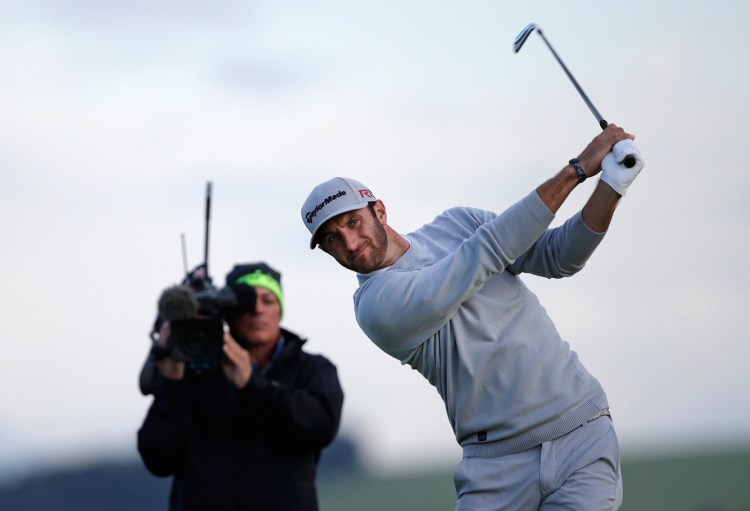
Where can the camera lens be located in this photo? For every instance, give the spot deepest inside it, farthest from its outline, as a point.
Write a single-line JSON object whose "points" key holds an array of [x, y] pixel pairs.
{"points": [[197, 340]]}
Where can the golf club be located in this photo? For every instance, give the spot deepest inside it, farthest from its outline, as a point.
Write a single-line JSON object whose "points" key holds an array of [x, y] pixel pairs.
{"points": [[629, 160]]}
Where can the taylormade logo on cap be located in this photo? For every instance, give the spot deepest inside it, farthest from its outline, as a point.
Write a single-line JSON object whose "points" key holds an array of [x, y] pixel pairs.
{"points": [[335, 196], [311, 215]]}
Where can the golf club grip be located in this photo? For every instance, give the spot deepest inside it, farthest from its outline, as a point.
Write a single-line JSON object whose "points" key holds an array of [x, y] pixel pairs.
{"points": [[629, 160]]}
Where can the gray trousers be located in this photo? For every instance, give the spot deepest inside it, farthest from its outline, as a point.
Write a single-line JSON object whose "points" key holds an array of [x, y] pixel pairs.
{"points": [[579, 471]]}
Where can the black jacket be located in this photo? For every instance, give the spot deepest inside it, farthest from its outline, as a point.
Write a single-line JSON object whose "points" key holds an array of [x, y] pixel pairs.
{"points": [[250, 449]]}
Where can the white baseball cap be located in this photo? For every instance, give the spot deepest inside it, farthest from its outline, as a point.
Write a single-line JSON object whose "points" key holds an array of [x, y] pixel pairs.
{"points": [[335, 196]]}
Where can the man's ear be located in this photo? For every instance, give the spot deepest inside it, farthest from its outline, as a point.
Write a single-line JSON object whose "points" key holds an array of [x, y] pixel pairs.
{"points": [[380, 212]]}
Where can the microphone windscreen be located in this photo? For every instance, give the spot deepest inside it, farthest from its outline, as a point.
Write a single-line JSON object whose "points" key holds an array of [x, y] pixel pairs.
{"points": [[176, 303]]}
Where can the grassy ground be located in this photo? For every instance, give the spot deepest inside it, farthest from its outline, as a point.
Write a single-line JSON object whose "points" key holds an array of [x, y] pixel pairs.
{"points": [[414, 492], [708, 482], [697, 482]]}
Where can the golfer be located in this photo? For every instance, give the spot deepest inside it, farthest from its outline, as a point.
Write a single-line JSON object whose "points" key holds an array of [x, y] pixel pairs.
{"points": [[448, 300]]}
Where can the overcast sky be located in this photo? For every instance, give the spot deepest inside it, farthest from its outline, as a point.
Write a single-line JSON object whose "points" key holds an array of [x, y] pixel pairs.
{"points": [[115, 115]]}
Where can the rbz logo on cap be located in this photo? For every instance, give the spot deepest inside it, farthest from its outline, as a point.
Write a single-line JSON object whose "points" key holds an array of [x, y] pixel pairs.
{"points": [[311, 214], [366, 193]]}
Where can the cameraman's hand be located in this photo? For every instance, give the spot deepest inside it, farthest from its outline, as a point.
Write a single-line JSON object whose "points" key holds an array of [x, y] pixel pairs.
{"points": [[236, 362], [170, 368]]}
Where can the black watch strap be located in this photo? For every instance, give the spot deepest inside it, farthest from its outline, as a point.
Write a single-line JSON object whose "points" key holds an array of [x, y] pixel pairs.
{"points": [[579, 169]]}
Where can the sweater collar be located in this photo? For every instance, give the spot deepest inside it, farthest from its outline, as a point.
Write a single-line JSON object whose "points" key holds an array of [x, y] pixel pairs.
{"points": [[361, 277]]}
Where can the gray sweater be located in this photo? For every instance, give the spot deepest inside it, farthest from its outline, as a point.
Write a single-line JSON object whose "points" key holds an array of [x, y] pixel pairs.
{"points": [[454, 309]]}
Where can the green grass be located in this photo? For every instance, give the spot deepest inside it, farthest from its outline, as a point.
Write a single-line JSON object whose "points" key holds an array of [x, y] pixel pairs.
{"points": [[431, 491], [695, 482]]}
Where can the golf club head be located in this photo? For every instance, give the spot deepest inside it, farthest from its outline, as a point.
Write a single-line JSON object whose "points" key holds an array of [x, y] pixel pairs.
{"points": [[521, 38]]}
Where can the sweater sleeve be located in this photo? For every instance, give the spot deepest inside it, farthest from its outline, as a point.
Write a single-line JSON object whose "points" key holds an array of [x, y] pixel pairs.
{"points": [[559, 252], [402, 307], [161, 438]]}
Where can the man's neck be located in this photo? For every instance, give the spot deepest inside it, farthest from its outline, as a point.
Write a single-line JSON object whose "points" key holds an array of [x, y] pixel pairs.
{"points": [[397, 246], [261, 354]]}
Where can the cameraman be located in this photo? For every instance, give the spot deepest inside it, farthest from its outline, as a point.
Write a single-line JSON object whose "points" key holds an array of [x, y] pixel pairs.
{"points": [[248, 433]]}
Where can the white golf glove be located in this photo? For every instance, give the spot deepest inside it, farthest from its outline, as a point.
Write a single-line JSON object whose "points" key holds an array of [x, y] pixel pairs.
{"points": [[614, 172]]}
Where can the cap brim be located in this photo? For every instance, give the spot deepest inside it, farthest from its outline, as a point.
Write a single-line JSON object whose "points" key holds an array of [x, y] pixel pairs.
{"points": [[345, 209]]}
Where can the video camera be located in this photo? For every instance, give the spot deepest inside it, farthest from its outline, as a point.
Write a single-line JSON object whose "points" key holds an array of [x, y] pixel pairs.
{"points": [[196, 311]]}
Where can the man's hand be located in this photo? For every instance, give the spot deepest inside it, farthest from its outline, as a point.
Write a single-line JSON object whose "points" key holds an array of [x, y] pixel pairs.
{"points": [[170, 368], [555, 190], [617, 175], [236, 362], [591, 157]]}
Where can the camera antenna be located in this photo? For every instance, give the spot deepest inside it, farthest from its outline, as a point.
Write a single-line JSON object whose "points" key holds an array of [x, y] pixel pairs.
{"points": [[208, 218], [184, 252]]}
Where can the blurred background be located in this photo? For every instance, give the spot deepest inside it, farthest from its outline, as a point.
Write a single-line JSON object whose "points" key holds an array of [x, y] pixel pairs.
{"points": [[116, 115]]}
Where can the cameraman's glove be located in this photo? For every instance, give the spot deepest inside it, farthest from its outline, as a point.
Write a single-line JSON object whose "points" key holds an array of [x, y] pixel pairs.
{"points": [[614, 172]]}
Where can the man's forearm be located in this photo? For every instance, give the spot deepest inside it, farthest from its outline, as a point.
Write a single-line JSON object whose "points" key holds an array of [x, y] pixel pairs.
{"points": [[555, 190], [599, 209]]}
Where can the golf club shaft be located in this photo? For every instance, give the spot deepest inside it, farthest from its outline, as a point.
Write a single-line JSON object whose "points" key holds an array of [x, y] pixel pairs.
{"points": [[585, 98], [629, 160]]}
